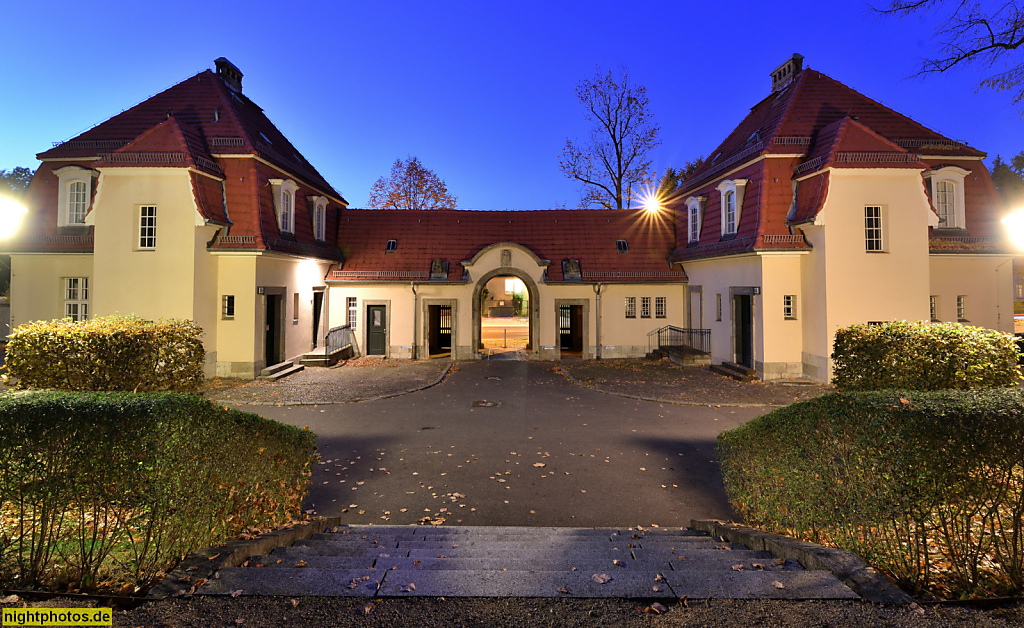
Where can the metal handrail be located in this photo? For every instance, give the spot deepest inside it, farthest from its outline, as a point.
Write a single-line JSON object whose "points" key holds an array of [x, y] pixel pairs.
{"points": [[337, 337], [672, 336]]}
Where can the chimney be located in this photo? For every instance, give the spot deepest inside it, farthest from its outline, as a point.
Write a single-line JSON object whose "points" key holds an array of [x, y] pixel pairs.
{"points": [[230, 73], [782, 75]]}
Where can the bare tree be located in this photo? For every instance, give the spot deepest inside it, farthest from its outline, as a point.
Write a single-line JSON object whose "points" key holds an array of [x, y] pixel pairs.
{"points": [[615, 160], [986, 34], [411, 186]]}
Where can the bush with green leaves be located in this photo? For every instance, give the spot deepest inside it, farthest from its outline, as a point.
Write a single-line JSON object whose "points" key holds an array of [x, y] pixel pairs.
{"points": [[920, 356], [117, 487], [107, 353], [927, 486]]}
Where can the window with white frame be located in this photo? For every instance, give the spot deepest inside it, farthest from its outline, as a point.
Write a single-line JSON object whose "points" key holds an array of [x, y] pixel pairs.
{"points": [[694, 205], [227, 306], [74, 191], [353, 312], [630, 307], [961, 307], [718, 307], [732, 192], [319, 221], [946, 185], [789, 306], [76, 298], [659, 307], [284, 203], [873, 229], [147, 227], [645, 307], [933, 308]]}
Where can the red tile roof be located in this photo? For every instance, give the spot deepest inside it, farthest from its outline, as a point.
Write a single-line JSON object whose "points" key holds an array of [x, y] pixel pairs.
{"points": [[456, 236], [167, 145]]}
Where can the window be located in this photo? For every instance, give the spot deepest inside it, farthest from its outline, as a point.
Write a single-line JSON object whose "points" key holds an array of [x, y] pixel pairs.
{"points": [[284, 203], [945, 203], [645, 307], [659, 307], [78, 201], [227, 306], [76, 298], [319, 221], [295, 308], [694, 205], [74, 191], [946, 186], [391, 246], [622, 246], [933, 308], [732, 204], [353, 311], [630, 307], [718, 307], [873, 228], [961, 308], [147, 227], [789, 306]]}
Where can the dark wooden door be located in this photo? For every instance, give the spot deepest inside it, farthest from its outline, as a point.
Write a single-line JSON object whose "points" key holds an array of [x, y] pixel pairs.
{"points": [[743, 329], [318, 306], [272, 319], [376, 330]]}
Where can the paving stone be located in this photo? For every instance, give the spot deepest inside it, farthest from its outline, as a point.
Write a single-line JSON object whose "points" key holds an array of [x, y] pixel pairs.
{"points": [[798, 585], [294, 582], [523, 584]]}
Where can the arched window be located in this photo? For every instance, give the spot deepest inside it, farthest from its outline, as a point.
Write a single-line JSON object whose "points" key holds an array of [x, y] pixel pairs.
{"points": [[286, 211], [78, 201], [729, 211], [945, 204]]}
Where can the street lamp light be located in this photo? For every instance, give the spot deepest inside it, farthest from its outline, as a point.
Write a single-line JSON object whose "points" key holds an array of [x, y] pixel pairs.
{"points": [[1015, 226], [11, 213]]}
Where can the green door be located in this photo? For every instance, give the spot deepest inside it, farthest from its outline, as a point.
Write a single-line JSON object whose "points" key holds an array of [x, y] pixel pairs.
{"points": [[376, 329]]}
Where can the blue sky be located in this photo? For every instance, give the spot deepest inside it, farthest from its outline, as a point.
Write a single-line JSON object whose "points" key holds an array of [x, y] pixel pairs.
{"points": [[481, 92]]}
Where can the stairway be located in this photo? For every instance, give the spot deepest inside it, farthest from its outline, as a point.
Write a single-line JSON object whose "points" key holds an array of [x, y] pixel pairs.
{"points": [[735, 371], [280, 371], [373, 561]]}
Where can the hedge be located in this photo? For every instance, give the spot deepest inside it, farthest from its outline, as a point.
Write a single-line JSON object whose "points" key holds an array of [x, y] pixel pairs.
{"points": [[107, 353], [919, 356], [927, 486], [117, 487]]}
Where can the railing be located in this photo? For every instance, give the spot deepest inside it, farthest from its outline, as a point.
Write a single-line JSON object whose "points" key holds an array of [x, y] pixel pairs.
{"points": [[337, 338], [672, 336], [380, 274]]}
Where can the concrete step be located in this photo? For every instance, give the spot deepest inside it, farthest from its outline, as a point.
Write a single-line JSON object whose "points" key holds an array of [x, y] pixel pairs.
{"points": [[275, 368], [735, 373], [290, 369]]}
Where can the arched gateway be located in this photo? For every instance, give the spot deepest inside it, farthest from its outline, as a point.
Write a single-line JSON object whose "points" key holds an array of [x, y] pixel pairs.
{"points": [[482, 269]]}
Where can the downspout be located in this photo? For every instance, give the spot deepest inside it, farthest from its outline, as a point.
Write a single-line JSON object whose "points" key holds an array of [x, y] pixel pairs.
{"points": [[597, 325], [415, 326]]}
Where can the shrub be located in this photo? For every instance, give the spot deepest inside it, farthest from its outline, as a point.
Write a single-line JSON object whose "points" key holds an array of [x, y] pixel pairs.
{"points": [[107, 353], [120, 486], [918, 356], [928, 486]]}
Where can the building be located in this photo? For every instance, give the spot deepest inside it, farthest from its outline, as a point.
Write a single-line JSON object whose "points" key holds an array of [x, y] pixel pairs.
{"points": [[823, 208]]}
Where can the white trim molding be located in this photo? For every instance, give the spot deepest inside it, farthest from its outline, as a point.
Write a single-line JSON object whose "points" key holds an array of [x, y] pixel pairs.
{"points": [[695, 206], [946, 189], [74, 194], [284, 203]]}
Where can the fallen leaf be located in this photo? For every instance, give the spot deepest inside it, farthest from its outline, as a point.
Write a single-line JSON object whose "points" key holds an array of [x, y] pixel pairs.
{"points": [[539, 465], [601, 578], [212, 557], [295, 602], [684, 602], [10, 599], [417, 562], [737, 567], [409, 588], [366, 610], [758, 566], [563, 589], [659, 608], [618, 563], [778, 585], [301, 563], [779, 561], [656, 589]]}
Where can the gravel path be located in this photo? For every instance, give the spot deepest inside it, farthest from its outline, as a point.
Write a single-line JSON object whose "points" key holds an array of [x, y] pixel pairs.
{"points": [[663, 379], [314, 612], [359, 379]]}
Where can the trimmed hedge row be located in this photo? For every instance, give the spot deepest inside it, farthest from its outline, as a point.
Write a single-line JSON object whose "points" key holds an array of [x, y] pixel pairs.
{"points": [[919, 356], [108, 353], [118, 486], [927, 486]]}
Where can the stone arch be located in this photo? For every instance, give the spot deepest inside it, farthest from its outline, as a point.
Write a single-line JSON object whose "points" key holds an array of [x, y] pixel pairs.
{"points": [[531, 288]]}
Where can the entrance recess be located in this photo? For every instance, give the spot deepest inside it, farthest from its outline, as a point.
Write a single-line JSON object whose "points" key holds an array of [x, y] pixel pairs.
{"points": [[505, 314], [376, 330], [570, 329], [743, 329], [439, 330], [273, 333], [318, 306]]}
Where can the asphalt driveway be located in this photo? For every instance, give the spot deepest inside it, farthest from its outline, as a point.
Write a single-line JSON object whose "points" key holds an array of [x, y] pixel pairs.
{"points": [[513, 443]]}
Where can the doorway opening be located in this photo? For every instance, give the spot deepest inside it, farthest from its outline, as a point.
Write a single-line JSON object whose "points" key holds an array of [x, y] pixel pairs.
{"points": [[318, 306], [439, 330], [273, 338], [570, 330], [506, 317], [743, 329]]}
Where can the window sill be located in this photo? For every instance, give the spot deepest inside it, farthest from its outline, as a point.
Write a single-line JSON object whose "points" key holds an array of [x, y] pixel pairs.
{"points": [[962, 320]]}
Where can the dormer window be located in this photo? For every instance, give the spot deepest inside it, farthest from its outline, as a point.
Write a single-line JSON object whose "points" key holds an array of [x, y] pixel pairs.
{"points": [[391, 246], [622, 246], [75, 190], [946, 185], [320, 220], [732, 204], [284, 203], [694, 205]]}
